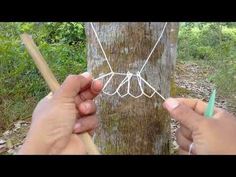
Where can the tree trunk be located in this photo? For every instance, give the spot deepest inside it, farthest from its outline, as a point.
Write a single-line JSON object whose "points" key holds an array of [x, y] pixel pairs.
{"points": [[129, 125]]}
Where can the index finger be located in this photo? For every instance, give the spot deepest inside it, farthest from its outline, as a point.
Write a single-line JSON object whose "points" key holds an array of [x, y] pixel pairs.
{"points": [[73, 85], [92, 91]]}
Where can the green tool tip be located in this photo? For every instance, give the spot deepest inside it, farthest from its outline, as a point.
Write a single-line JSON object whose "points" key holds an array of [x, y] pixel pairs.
{"points": [[210, 107]]}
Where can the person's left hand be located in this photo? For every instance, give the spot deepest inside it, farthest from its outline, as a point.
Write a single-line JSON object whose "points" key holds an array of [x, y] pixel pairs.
{"points": [[59, 117]]}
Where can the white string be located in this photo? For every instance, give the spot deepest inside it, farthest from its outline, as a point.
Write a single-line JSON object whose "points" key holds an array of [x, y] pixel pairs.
{"points": [[101, 46], [154, 47], [129, 75]]}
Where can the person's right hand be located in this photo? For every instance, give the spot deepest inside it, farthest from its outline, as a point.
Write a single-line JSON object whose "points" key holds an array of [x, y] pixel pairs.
{"points": [[209, 136], [59, 117]]}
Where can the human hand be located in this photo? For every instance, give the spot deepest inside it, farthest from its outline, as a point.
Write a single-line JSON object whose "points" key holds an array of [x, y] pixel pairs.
{"points": [[59, 116], [209, 136]]}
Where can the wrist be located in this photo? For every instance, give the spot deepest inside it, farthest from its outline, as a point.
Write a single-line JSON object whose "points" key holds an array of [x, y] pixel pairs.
{"points": [[32, 147]]}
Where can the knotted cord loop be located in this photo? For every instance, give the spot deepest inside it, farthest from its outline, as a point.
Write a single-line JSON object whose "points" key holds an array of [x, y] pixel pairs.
{"points": [[128, 75]]}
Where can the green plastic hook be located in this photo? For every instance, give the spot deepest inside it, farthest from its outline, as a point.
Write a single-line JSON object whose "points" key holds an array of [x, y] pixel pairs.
{"points": [[211, 104]]}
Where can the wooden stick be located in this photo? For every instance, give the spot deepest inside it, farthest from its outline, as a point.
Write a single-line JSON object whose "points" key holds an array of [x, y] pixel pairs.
{"points": [[53, 84]]}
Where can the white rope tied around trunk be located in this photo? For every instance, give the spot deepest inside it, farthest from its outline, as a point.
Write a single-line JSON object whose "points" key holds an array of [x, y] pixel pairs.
{"points": [[129, 75]]}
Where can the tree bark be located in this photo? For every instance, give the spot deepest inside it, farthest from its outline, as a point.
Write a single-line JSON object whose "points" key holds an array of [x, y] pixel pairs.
{"points": [[129, 125]]}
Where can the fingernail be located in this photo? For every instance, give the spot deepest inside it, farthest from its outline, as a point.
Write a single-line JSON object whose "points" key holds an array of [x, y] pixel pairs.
{"points": [[86, 74], [77, 126], [97, 85], [171, 104]]}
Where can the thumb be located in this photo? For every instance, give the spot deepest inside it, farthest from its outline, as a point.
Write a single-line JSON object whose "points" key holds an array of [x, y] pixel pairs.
{"points": [[74, 84], [182, 113]]}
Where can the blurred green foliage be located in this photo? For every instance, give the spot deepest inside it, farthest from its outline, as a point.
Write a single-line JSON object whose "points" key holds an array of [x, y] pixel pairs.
{"points": [[63, 47], [207, 41], [213, 44]]}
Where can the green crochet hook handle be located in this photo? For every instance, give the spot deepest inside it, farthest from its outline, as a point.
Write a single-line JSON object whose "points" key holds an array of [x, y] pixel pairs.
{"points": [[210, 107]]}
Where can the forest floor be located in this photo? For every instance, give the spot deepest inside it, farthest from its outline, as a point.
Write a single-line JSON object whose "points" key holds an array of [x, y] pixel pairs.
{"points": [[191, 81]]}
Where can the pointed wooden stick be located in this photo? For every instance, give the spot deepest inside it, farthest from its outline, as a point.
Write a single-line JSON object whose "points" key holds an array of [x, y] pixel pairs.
{"points": [[53, 84]]}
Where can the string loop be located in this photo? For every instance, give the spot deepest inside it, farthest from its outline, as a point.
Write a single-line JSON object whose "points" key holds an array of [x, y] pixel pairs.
{"points": [[129, 75]]}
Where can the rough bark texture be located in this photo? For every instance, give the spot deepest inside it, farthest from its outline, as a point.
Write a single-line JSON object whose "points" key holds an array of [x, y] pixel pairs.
{"points": [[173, 40], [128, 125]]}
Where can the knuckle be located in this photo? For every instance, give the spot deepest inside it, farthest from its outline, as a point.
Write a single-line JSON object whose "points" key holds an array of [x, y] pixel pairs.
{"points": [[71, 77], [180, 110], [82, 96], [197, 101], [91, 106], [91, 102]]}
